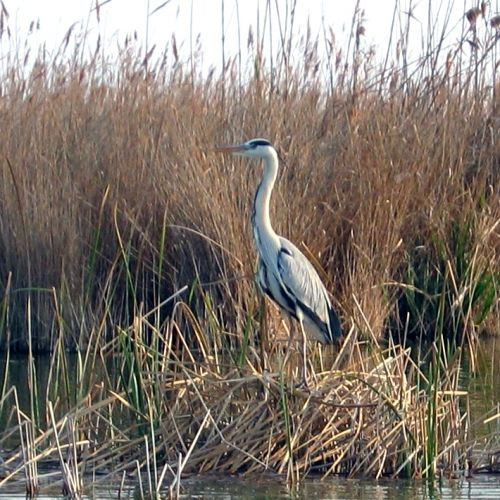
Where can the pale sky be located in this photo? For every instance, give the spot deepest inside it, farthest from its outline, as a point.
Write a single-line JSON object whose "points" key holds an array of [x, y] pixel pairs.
{"points": [[189, 18]]}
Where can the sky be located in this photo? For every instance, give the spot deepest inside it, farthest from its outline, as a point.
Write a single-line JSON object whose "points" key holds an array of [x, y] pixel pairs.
{"points": [[155, 21]]}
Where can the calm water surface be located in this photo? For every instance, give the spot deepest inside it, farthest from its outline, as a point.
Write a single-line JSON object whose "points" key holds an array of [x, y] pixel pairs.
{"points": [[229, 488]]}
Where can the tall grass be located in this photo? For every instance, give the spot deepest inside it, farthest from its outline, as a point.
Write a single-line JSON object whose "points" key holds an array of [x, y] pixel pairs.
{"points": [[112, 198], [125, 237]]}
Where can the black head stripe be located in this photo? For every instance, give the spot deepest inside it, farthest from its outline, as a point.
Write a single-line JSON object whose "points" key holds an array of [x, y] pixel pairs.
{"points": [[259, 142]]}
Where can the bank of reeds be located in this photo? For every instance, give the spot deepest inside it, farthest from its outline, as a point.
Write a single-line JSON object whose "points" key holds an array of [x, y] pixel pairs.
{"points": [[112, 200]]}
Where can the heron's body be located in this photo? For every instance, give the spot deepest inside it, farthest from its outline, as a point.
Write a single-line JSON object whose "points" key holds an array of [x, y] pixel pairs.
{"points": [[284, 273]]}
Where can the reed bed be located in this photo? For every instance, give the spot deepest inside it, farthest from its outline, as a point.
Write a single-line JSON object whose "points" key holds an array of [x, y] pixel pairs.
{"points": [[111, 195], [125, 238]]}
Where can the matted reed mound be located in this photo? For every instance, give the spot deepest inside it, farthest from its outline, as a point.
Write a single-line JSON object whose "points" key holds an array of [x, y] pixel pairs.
{"points": [[171, 411]]}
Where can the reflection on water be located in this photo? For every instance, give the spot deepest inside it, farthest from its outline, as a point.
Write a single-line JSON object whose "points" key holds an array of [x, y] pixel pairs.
{"points": [[484, 385], [230, 487], [341, 488], [46, 387]]}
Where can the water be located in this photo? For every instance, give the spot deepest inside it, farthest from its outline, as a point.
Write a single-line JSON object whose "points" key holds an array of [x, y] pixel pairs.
{"points": [[341, 488], [484, 385], [258, 487]]}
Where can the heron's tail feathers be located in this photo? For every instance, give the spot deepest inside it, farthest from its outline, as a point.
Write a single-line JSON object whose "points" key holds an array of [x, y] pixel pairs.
{"points": [[335, 327]]}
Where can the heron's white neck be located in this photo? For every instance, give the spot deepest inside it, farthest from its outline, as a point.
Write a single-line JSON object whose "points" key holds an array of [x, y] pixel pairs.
{"points": [[260, 217]]}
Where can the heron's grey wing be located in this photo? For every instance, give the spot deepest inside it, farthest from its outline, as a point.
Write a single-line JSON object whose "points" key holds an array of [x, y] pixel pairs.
{"points": [[302, 281], [300, 278]]}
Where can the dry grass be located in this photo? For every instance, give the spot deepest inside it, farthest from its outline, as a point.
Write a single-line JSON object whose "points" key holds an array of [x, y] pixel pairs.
{"points": [[111, 200]]}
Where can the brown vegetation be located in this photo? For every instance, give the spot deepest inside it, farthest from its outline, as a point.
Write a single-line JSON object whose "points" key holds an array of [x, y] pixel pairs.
{"points": [[112, 200]]}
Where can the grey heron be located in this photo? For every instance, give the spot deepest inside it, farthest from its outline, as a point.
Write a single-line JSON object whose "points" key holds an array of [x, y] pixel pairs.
{"points": [[284, 273]]}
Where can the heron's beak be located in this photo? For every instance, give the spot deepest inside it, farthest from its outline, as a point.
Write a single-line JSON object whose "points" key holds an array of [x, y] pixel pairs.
{"points": [[239, 148]]}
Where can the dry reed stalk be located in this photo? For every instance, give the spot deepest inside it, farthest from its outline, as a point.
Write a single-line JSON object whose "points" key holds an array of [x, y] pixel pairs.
{"points": [[71, 482], [26, 434]]}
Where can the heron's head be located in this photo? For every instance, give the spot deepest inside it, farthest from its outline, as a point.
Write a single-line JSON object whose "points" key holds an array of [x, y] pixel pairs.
{"points": [[254, 148]]}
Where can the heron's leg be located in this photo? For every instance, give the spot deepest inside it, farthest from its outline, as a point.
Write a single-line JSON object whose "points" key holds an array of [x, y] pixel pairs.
{"points": [[291, 335], [263, 333], [320, 350], [304, 353]]}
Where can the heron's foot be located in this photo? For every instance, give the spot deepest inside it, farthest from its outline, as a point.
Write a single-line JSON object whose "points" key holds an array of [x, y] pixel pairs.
{"points": [[303, 385]]}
